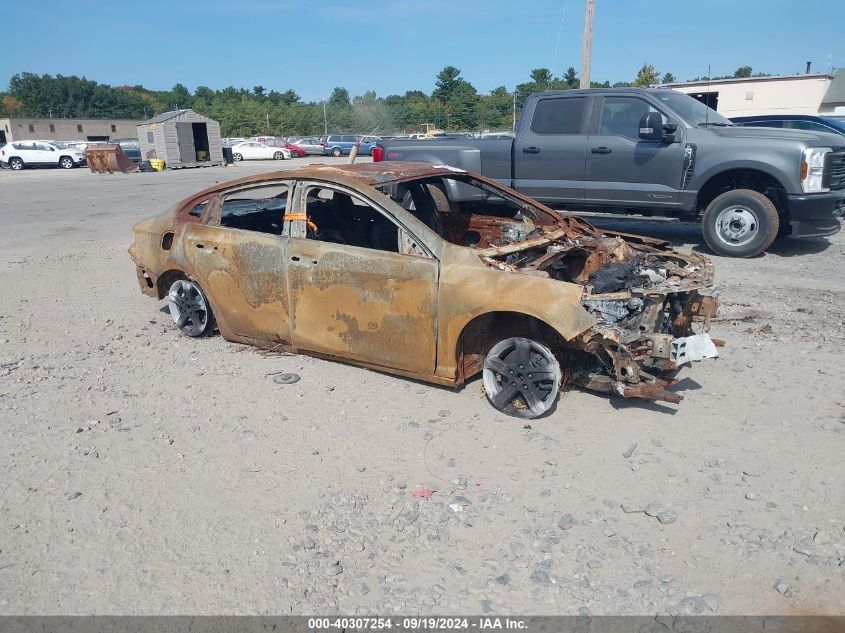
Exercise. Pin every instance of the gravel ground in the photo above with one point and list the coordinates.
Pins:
(146, 473)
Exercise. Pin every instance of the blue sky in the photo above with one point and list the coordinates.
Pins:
(395, 45)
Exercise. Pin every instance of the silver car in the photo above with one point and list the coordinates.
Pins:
(311, 144)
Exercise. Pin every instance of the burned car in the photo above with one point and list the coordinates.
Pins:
(433, 273)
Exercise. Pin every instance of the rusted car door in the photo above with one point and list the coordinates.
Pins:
(363, 303)
(243, 273)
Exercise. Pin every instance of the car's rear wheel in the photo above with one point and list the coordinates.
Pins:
(237, 157)
(66, 162)
(189, 308)
(336, 152)
(278, 156)
(15, 163)
(740, 223)
(521, 377)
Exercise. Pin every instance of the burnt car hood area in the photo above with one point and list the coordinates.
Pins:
(433, 273)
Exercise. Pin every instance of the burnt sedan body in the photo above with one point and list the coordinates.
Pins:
(429, 272)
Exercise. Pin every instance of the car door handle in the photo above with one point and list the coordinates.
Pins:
(601, 150)
(531, 150)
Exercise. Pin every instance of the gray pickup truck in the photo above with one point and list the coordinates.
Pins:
(659, 152)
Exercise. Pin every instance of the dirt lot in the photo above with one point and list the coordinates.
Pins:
(146, 473)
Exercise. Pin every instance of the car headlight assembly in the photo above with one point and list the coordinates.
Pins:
(812, 169)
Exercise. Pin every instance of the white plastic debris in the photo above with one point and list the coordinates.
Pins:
(692, 348)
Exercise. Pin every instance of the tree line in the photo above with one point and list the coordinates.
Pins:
(454, 104)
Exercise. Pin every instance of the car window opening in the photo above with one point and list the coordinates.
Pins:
(259, 210)
(338, 218)
(468, 212)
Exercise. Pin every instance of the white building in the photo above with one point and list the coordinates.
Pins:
(789, 94)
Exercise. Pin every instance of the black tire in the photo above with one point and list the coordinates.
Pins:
(237, 157)
(16, 163)
(337, 152)
(278, 156)
(66, 162)
(190, 309)
(740, 223)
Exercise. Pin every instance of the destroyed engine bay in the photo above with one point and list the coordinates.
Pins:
(645, 296)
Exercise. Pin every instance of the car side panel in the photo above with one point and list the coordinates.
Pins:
(244, 275)
(469, 288)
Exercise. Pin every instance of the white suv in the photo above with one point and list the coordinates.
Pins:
(20, 154)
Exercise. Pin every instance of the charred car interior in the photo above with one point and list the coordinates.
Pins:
(435, 273)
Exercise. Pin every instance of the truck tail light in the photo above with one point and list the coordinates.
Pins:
(378, 154)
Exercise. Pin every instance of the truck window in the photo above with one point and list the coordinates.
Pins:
(812, 126)
(621, 116)
(558, 116)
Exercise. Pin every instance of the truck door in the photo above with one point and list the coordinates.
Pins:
(550, 151)
(624, 170)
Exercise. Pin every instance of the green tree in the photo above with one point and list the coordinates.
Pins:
(542, 77)
(462, 113)
(447, 81)
(743, 71)
(495, 110)
(646, 76)
(668, 78)
(570, 78)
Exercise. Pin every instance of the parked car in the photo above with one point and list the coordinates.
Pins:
(234, 140)
(660, 152)
(22, 154)
(295, 150)
(807, 122)
(375, 264)
(342, 144)
(131, 147)
(309, 144)
(253, 150)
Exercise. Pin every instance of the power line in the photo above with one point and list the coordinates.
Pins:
(559, 31)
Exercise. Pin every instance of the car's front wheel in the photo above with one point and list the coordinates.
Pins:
(15, 163)
(278, 156)
(336, 152)
(189, 308)
(237, 156)
(66, 162)
(521, 377)
(740, 223)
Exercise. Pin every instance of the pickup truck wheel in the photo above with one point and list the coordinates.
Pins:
(740, 223)
(521, 377)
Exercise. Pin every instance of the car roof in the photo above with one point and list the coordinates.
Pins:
(370, 174)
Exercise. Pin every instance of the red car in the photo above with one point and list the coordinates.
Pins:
(295, 150)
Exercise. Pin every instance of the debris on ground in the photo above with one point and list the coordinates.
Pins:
(285, 378)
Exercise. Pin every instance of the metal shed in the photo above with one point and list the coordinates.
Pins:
(183, 138)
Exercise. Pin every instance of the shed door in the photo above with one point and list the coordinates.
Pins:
(185, 137)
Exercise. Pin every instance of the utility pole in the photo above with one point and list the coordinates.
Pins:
(513, 129)
(587, 48)
(325, 120)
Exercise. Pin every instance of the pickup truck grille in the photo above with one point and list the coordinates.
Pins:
(835, 170)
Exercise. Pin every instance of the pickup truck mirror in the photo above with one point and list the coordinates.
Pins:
(651, 127)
